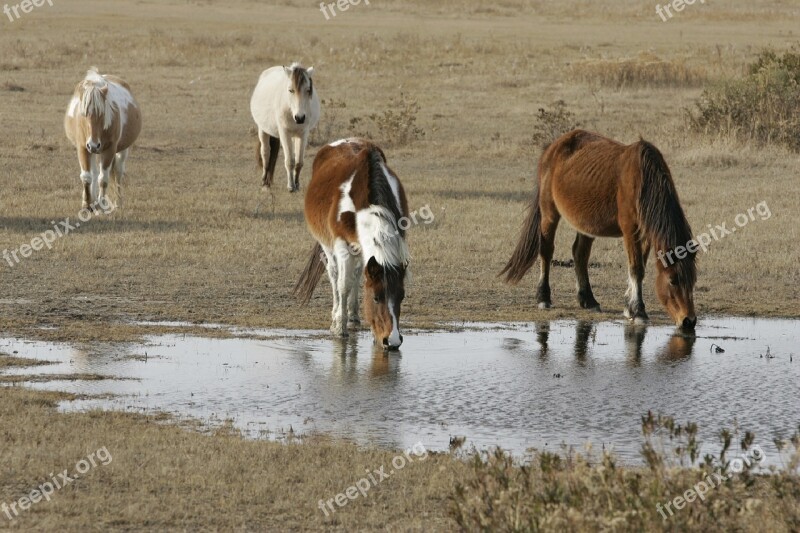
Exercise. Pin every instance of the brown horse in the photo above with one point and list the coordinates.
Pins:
(355, 207)
(606, 189)
(102, 121)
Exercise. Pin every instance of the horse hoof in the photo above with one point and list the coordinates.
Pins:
(353, 324)
(640, 320)
(545, 305)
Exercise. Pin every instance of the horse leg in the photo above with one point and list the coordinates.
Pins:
(87, 168)
(93, 159)
(353, 320)
(300, 152)
(346, 264)
(333, 277)
(546, 248)
(106, 164)
(288, 158)
(581, 250)
(269, 147)
(274, 147)
(634, 309)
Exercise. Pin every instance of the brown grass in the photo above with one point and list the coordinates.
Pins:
(645, 70)
(197, 241)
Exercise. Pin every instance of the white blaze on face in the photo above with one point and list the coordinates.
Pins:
(394, 338)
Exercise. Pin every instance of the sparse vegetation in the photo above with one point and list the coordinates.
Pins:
(331, 126)
(645, 70)
(574, 492)
(553, 123)
(763, 107)
(395, 126)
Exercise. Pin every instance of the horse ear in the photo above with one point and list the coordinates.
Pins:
(310, 71)
(374, 270)
(288, 71)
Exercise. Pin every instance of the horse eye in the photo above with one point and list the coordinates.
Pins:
(291, 91)
(673, 282)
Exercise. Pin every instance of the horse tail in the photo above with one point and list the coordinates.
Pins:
(315, 267)
(528, 246)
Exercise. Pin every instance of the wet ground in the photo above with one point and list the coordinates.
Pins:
(513, 385)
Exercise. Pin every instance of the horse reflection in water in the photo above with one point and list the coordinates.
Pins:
(345, 362)
(678, 348)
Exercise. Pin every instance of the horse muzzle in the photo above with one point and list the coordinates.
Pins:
(392, 346)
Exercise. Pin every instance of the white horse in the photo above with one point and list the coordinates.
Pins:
(286, 108)
(102, 121)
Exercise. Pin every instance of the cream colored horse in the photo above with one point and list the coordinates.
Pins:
(103, 120)
(285, 107)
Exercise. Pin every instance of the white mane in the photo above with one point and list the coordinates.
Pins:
(380, 237)
(117, 98)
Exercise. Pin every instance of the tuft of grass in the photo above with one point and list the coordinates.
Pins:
(394, 126)
(574, 492)
(763, 107)
(645, 70)
(553, 123)
(331, 127)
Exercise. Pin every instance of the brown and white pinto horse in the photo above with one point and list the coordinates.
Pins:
(354, 208)
(606, 189)
(102, 122)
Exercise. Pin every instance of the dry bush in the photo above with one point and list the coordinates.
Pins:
(552, 124)
(575, 493)
(763, 107)
(395, 126)
(331, 126)
(646, 70)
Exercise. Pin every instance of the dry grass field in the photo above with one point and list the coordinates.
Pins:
(198, 241)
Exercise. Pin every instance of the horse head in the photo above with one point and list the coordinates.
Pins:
(300, 85)
(675, 289)
(95, 108)
(384, 291)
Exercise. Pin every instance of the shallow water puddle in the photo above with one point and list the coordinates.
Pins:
(517, 386)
